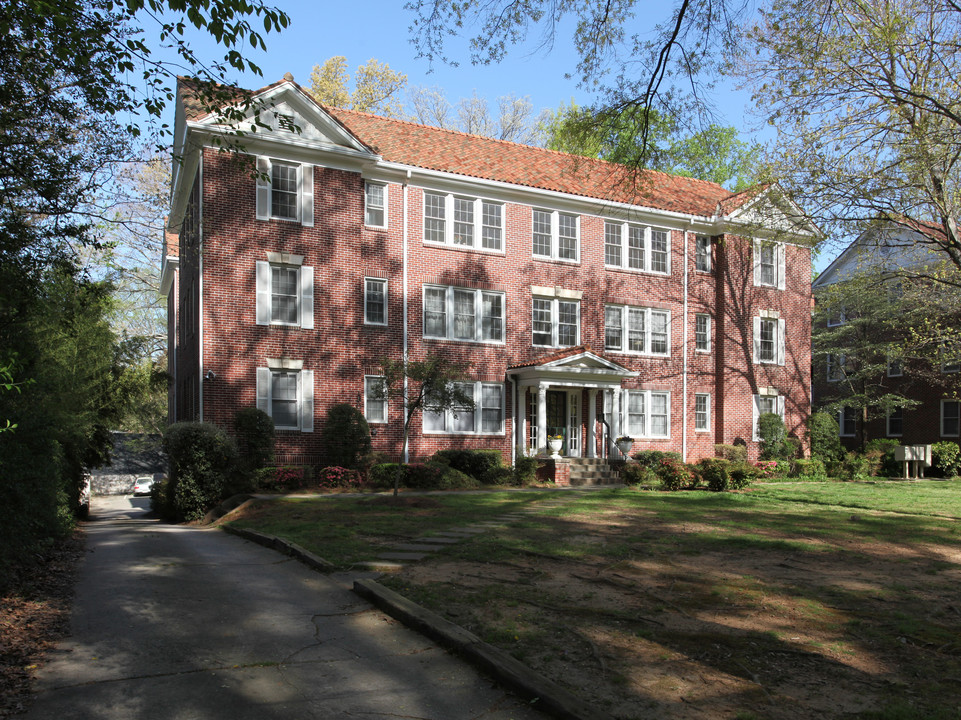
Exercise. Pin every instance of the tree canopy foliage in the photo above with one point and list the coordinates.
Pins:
(377, 88)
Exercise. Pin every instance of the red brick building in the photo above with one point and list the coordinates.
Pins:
(591, 301)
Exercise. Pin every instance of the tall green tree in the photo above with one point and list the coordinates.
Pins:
(865, 101)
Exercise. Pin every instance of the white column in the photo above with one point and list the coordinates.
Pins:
(615, 418)
(522, 419)
(542, 419)
(592, 423)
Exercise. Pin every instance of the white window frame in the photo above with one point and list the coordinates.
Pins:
(555, 254)
(956, 417)
(834, 367)
(887, 422)
(705, 333)
(383, 283)
(477, 222)
(646, 264)
(305, 393)
(369, 207)
(370, 400)
(779, 262)
(895, 367)
(305, 191)
(779, 338)
(447, 415)
(704, 426)
(450, 307)
(702, 253)
(836, 319)
(642, 429)
(843, 429)
(264, 286)
(648, 314)
(778, 402)
(554, 310)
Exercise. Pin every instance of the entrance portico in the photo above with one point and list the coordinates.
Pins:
(562, 401)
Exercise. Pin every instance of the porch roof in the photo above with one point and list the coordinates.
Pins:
(577, 366)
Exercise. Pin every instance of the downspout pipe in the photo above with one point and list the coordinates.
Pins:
(684, 344)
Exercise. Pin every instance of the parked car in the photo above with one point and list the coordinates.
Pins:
(143, 486)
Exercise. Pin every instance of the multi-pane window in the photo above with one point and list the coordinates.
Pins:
(647, 413)
(283, 191)
(285, 294)
(375, 204)
(286, 393)
(375, 301)
(702, 411)
(555, 235)
(702, 253)
(702, 333)
(637, 330)
(896, 422)
(463, 314)
(835, 367)
(950, 418)
(895, 368)
(769, 339)
(555, 322)
(375, 399)
(848, 421)
(768, 403)
(283, 399)
(485, 418)
(637, 247)
(769, 264)
(463, 221)
(837, 316)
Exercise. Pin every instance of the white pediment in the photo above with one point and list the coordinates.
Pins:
(585, 361)
(772, 214)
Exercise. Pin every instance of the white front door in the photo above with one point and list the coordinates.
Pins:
(574, 424)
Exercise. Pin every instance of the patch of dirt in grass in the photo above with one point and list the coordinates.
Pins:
(710, 634)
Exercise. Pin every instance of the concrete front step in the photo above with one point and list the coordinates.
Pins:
(591, 471)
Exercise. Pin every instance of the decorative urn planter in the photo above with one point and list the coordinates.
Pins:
(624, 444)
(554, 444)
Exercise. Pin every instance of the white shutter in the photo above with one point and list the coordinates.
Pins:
(306, 381)
(306, 174)
(263, 188)
(780, 406)
(263, 389)
(755, 414)
(263, 293)
(757, 340)
(307, 297)
(756, 258)
(781, 265)
(780, 341)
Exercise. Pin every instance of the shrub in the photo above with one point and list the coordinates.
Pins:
(715, 473)
(483, 465)
(792, 448)
(824, 435)
(767, 468)
(770, 428)
(673, 473)
(201, 457)
(812, 469)
(637, 474)
(652, 458)
(858, 467)
(945, 458)
(338, 477)
(740, 475)
(255, 438)
(346, 436)
(525, 471)
(881, 451)
(731, 453)
(281, 479)
(381, 475)
(438, 476)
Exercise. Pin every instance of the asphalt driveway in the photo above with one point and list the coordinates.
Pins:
(180, 623)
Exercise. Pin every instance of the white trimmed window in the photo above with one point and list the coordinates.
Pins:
(375, 399)
(285, 191)
(835, 367)
(848, 422)
(287, 395)
(895, 422)
(486, 417)
(895, 368)
(766, 402)
(702, 333)
(647, 413)
(702, 412)
(637, 247)
(702, 253)
(950, 418)
(769, 264)
(455, 313)
(769, 339)
(463, 222)
(555, 322)
(375, 301)
(375, 204)
(836, 317)
(637, 330)
(285, 291)
(556, 235)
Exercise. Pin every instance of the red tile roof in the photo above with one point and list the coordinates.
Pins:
(432, 148)
(561, 355)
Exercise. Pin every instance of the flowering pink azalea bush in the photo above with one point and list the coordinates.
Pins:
(281, 479)
(767, 468)
(339, 477)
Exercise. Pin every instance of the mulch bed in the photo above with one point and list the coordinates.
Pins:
(34, 615)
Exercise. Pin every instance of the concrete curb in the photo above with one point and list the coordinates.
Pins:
(544, 694)
(280, 545)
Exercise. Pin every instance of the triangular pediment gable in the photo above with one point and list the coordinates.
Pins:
(771, 213)
(585, 361)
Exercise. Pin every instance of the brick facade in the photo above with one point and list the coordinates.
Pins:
(221, 345)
